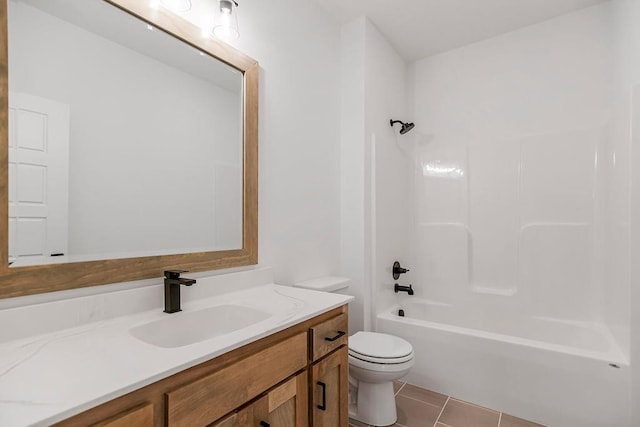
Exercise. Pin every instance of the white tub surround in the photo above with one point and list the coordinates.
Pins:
(551, 371)
(518, 224)
(61, 358)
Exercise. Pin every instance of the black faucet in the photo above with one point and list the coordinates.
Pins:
(407, 289)
(172, 282)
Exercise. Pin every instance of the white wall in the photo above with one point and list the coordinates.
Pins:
(626, 16)
(506, 171)
(298, 47)
(634, 253)
(390, 161)
(354, 252)
(374, 182)
(117, 98)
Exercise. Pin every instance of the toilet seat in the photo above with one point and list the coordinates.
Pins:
(377, 361)
(379, 348)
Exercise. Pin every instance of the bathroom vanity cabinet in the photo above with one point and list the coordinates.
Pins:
(329, 372)
(295, 377)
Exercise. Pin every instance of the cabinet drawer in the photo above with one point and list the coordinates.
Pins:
(209, 398)
(328, 335)
(142, 416)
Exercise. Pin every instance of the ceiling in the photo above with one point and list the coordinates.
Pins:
(421, 28)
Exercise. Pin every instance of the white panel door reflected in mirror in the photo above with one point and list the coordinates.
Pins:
(38, 177)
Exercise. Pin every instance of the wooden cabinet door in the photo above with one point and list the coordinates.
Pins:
(288, 403)
(330, 388)
(244, 417)
(284, 406)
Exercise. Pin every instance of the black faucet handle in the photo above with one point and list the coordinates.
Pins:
(397, 270)
(186, 282)
(173, 274)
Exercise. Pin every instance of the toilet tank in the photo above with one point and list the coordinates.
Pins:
(334, 284)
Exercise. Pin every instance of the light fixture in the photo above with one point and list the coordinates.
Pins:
(177, 5)
(225, 24)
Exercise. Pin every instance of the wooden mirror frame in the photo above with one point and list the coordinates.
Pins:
(20, 281)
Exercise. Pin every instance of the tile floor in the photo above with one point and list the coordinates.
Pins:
(418, 407)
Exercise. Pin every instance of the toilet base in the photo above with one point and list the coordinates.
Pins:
(376, 404)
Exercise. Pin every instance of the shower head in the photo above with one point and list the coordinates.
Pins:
(406, 127)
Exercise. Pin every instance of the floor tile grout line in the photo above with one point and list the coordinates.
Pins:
(401, 387)
(421, 401)
(441, 411)
(477, 406)
(500, 419)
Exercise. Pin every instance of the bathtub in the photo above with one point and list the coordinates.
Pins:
(558, 373)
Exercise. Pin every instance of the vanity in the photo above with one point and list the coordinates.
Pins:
(144, 159)
(287, 369)
(288, 379)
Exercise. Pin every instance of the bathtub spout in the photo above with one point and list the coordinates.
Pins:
(408, 289)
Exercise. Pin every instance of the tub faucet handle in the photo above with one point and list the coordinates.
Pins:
(397, 270)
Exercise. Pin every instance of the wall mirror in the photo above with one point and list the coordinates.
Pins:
(129, 146)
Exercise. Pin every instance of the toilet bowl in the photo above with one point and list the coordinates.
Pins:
(375, 361)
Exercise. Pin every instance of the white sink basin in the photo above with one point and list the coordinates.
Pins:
(190, 327)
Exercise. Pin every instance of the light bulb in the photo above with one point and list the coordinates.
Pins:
(226, 6)
(226, 21)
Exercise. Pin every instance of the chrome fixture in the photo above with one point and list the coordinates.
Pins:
(225, 23)
(408, 289)
(172, 282)
(397, 270)
(406, 127)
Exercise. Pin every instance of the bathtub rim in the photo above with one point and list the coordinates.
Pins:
(615, 356)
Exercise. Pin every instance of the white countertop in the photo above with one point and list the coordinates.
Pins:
(49, 377)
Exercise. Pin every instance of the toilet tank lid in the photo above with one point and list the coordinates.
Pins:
(325, 284)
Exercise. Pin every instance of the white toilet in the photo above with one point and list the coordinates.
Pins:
(375, 361)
